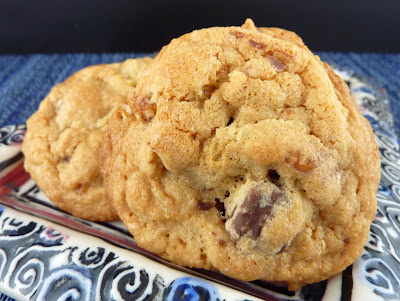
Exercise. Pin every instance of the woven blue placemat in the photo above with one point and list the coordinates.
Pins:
(26, 79)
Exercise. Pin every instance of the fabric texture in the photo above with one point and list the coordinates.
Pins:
(26, 79)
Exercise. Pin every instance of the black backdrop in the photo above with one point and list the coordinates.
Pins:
(45, 26)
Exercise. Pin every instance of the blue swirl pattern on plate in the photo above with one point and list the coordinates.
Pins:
(29, 252)
(382, 265)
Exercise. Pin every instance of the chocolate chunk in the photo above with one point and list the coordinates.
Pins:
(277, 63)
(273, 176)
(66, 159)
(283, 249)
(237, 34)
(220, 206)
(256, 44)
(201, 205)
(254, 212)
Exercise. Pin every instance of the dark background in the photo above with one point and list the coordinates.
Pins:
(145, 26)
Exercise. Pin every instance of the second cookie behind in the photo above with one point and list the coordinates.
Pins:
(64, 136)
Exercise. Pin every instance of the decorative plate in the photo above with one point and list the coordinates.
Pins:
(47, 254)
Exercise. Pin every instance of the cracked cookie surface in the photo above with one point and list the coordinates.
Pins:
(65, 134)
(242, 152)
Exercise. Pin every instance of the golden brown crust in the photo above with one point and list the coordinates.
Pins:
(64, 136)
(245, 124)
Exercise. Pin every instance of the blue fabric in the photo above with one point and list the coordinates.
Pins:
(26, 79)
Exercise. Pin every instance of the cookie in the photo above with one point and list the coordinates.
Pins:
(65, 134)
(242, 152)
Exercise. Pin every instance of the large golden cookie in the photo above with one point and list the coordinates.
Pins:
(64, 136)
(244, 153)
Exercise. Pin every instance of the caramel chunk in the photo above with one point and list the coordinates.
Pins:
(144, 107)
(301, 164)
